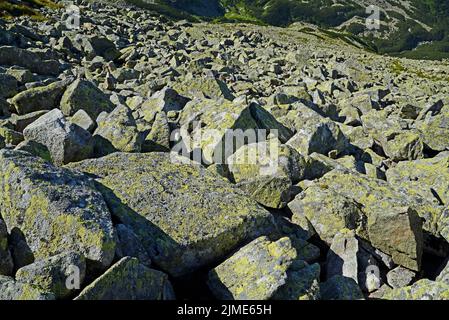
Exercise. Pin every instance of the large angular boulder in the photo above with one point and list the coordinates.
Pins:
(260, 271)
(65, 141)
(172, 208)
(426, 177)
(40, 98)
(84, 95)
(209, 88)
(219, 134)
(119, 128)
(266, 171)
(378, 195)
(435, 131)
(328, 212)
(53, 274)
(397, 231)
(33, 61)
(314, 133)
(52, 210)
(129, 280)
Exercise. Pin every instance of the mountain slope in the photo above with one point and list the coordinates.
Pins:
(411, 28)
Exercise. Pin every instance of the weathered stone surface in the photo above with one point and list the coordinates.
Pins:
(262, 270)
(172, 208)
(28, 59)
(425, 177)
(35, 148)
(340, 288)
(6, 262)
(120, 129)
(129, 280)
(266, 171)
(328, 212)
(202, 128)
(13, 290)
(53, 210)
(400, 277)
(405, 145)
(8, 87)
(85, 95)
(158, 139)
(128, 245)
(421, 290)
(65, 141)
(205, 87)
(53, 274)
(342, 256)
(378, 195)
(83, 120)
(40, 98)
(398, 232)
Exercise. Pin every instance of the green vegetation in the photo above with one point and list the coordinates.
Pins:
(27, 7)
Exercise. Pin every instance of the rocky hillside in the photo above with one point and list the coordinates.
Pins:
(409, 28)
(114, 183)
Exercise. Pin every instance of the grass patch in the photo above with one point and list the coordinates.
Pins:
(9, 10)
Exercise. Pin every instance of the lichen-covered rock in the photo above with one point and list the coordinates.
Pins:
(20, 122)
(400, 277)
(128, 245)
(165, 100)
(342, 256)
(219, 134)
(40, 98)
(82, 119)
(184, 215)
(129, 280)
(11, 137)
(406, 145)
(33, 61)
(208, 88)
(99, 46)
(266, 171)
(398, 231)
(8, 87)
(65, 141)
(340, 288)
(53, 274)
(421, 290)
(35, 148)
(378, 195)
(14, 290)
(53, 210)
(425, 177)
(120, 129)
(435, 131)
(262, 270)
(85, 95)
(314, 133)
(328, 212)
(6, 262)
(158, 139)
